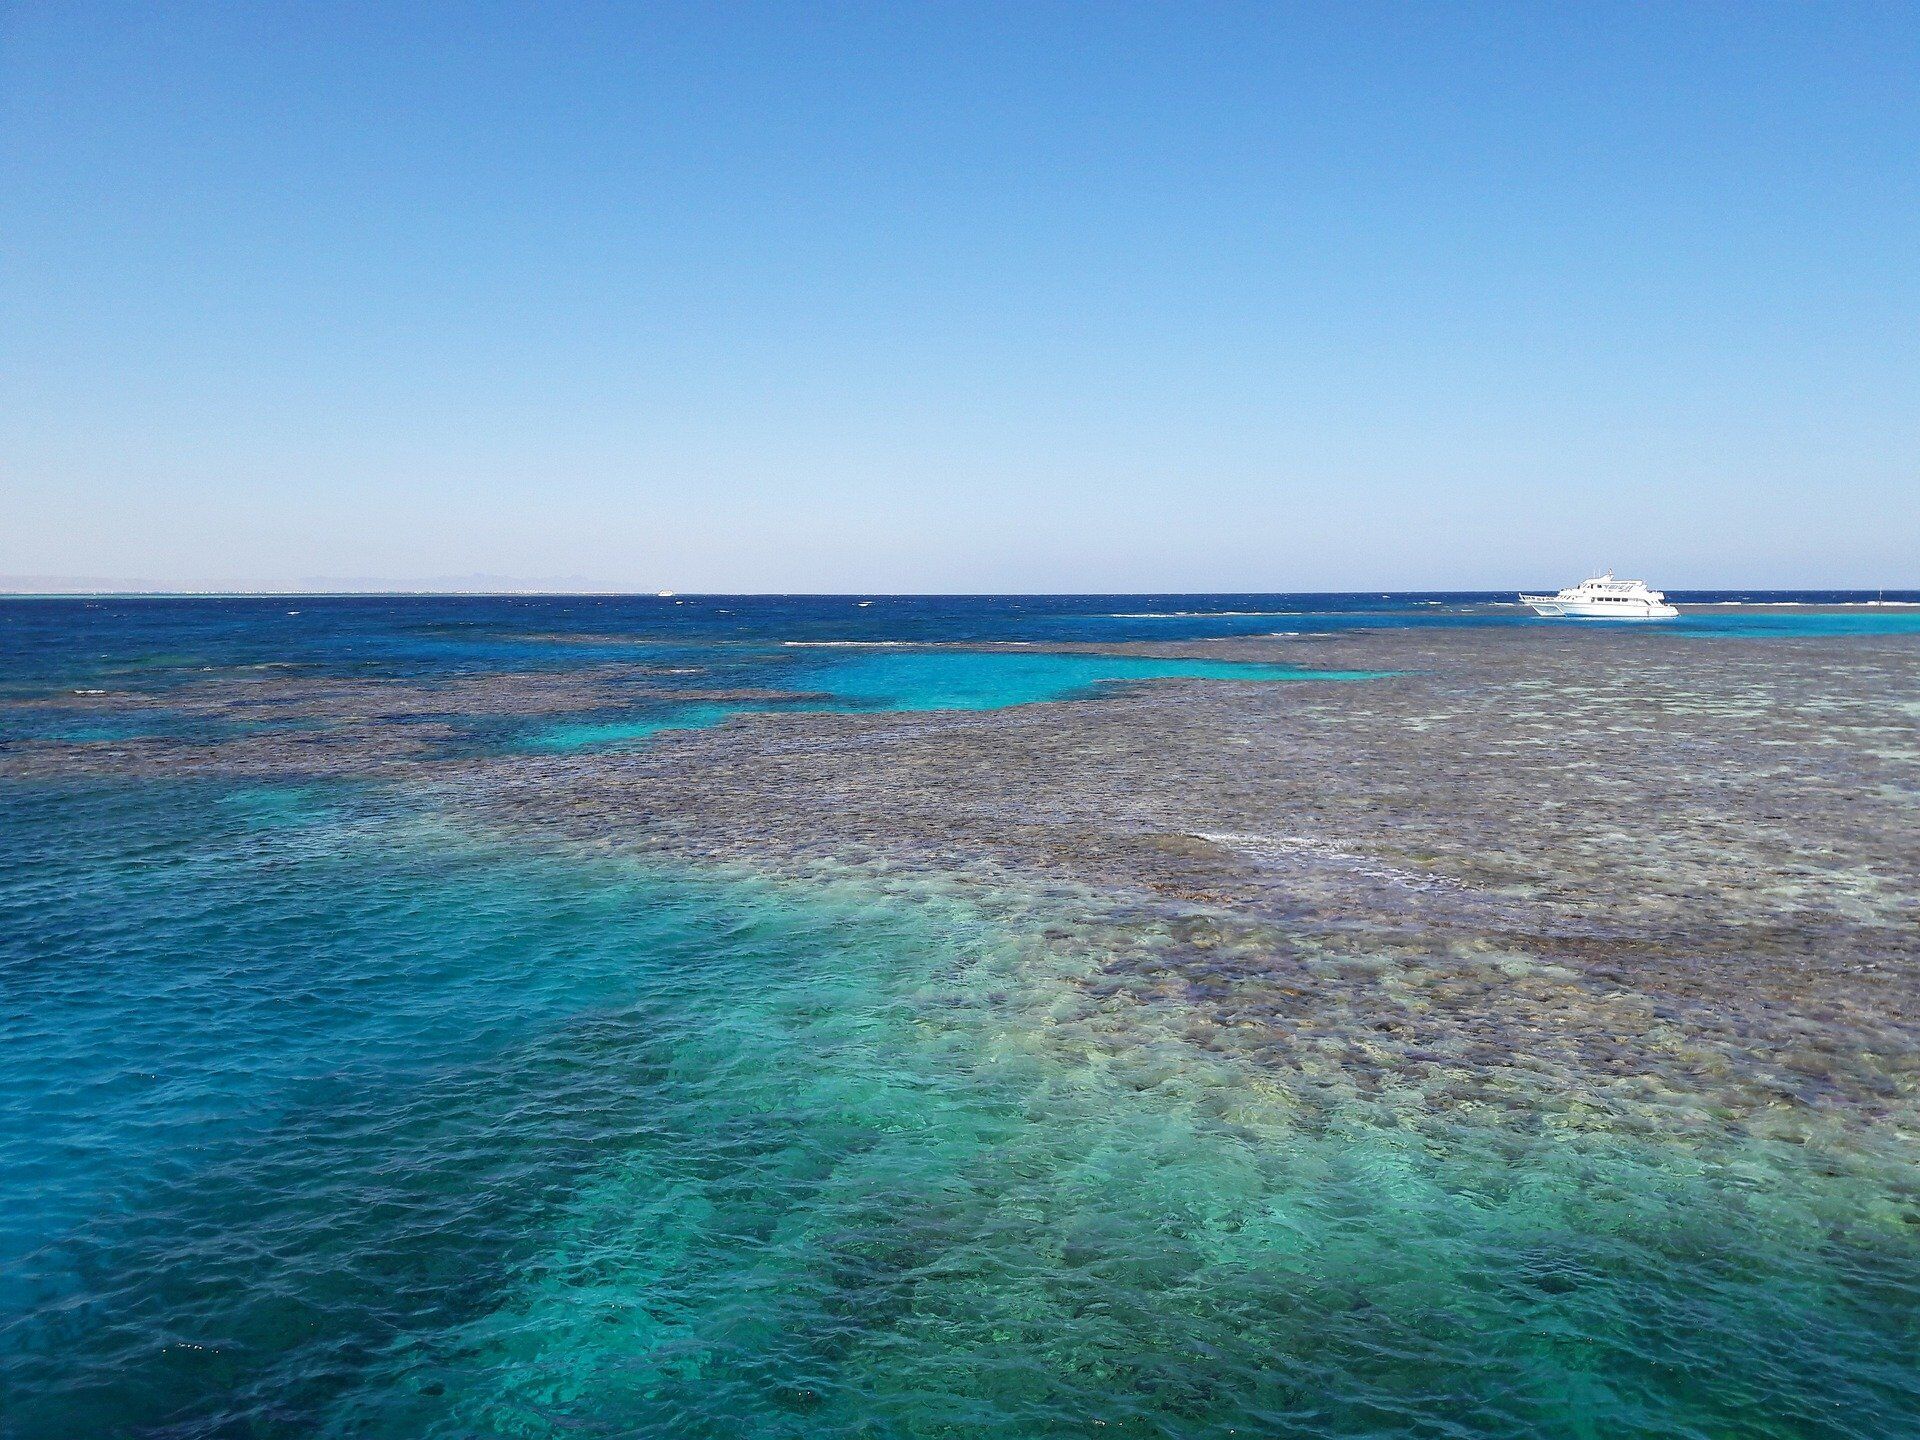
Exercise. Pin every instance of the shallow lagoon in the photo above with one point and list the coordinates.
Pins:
(888, 678)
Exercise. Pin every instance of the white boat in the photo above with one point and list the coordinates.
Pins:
(1604, 598)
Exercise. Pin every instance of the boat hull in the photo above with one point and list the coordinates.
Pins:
(1577, 610)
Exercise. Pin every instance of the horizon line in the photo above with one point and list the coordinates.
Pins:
(616, 594)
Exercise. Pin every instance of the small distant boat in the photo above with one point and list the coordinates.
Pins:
(1603, 598)
(664, 594)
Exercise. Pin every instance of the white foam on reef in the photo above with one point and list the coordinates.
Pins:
(1194, 614)
(1274, 847)
(1802, 604)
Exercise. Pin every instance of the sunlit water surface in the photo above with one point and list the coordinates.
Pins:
(326, 1114)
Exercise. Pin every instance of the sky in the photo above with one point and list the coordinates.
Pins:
(925, 296)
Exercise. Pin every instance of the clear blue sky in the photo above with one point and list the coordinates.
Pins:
(961, 297)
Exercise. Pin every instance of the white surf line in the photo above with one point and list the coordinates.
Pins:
(1798, 604)
(1276, 847)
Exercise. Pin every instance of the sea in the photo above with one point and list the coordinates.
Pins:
(328, 1109)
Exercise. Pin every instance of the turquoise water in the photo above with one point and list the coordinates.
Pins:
(959, 680)
(629, 729)
(325, 1113)
(905, 679)
(340, 1120)
(1776, 621)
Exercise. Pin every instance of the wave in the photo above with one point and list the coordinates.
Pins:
(1800, 604)
(1196, 614)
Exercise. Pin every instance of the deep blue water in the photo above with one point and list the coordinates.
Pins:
(846, 652)
(325, 1112)
(153, 641)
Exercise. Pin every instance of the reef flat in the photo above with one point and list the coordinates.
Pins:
(1584, 871)
(1525, 974)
